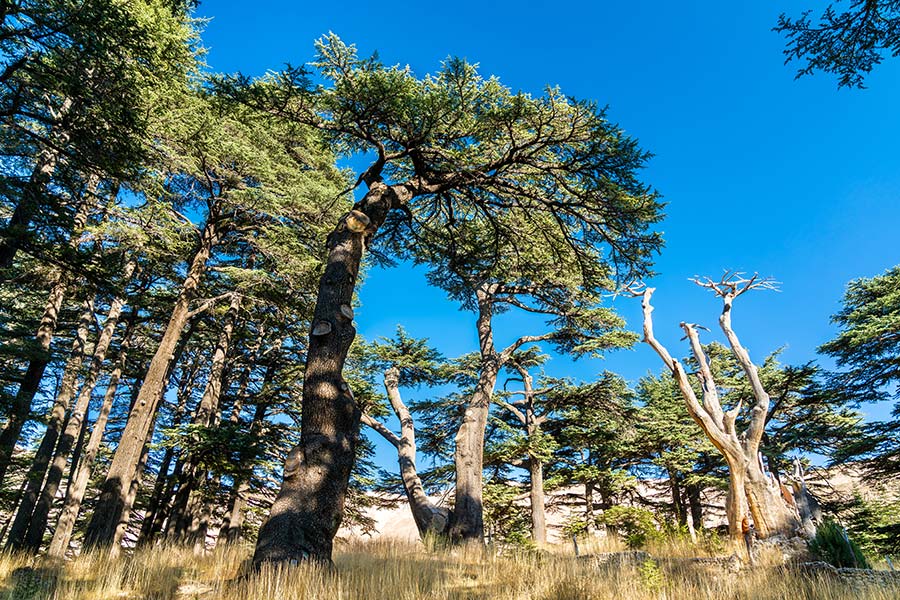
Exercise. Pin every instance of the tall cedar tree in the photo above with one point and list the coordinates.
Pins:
(450, 151)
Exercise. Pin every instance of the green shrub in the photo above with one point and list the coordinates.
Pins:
(832, 545)
(636, 525)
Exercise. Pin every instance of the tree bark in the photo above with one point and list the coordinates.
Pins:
(75, 423)
(57, 421)
(467, 518)
(309, 508)
(430, 518)
(34, 373)
(108, 513)
(538, 518)
(75, 492)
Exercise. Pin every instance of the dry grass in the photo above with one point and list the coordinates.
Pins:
(385, 571)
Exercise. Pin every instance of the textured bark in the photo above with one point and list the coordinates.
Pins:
(74, 424)
(467, 519)
(76, 490)
(113, 497)
(57, 422)
(430, 518)
(230, 531)
(308, 510)
(538, 516)
(34, 373)
(751, 492)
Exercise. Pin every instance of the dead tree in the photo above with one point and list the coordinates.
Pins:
(750, 490)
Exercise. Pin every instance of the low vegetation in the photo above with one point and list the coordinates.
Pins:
(404, 572)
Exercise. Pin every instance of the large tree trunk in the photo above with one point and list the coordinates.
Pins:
(467, 519)
(76, 490)
(771, 515)
(430, 518)
(57, 421)
(75, 424)
(113, 497)
(309, 508)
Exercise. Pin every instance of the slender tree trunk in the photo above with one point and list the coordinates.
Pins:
(114, 494)
(590, 521)
(430, 518)
(231, 527)
(309, 508)
(75, 423)
(193, 482)
(58, 418)
(75, 492)
(32, 200)
(34, 373)
(538, 519)
(677, 505)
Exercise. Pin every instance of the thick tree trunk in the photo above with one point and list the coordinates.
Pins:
(771, 515)
(695, 504)
(113, 497)
(57, 421)
(74, 424)
(538, 518)
(735, 499)
(75, 492)
(308, 510)
(467, 519)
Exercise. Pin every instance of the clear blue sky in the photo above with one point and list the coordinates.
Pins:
(793, 179)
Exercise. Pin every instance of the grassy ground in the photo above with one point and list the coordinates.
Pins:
(403, 572)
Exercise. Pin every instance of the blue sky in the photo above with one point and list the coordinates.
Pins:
(793, 179)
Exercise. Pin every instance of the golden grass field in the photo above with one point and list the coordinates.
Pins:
(392, 571)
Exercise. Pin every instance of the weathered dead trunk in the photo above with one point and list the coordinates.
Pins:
(431, 519)
(308, 510)
(76, 490)
(113, 497)
(57, 421)
(750, 492)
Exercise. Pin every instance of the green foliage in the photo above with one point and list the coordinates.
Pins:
(637, 526)
(651, 575)
(832, 545)
(505, 518)
(874, 523)
(847, 43)
(867, 349)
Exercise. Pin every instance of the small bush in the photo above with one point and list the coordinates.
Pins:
(636, 525)
(832, 545)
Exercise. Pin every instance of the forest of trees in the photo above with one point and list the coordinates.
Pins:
(181, 254)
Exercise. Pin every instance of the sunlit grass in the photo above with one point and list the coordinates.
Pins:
(390, 571)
